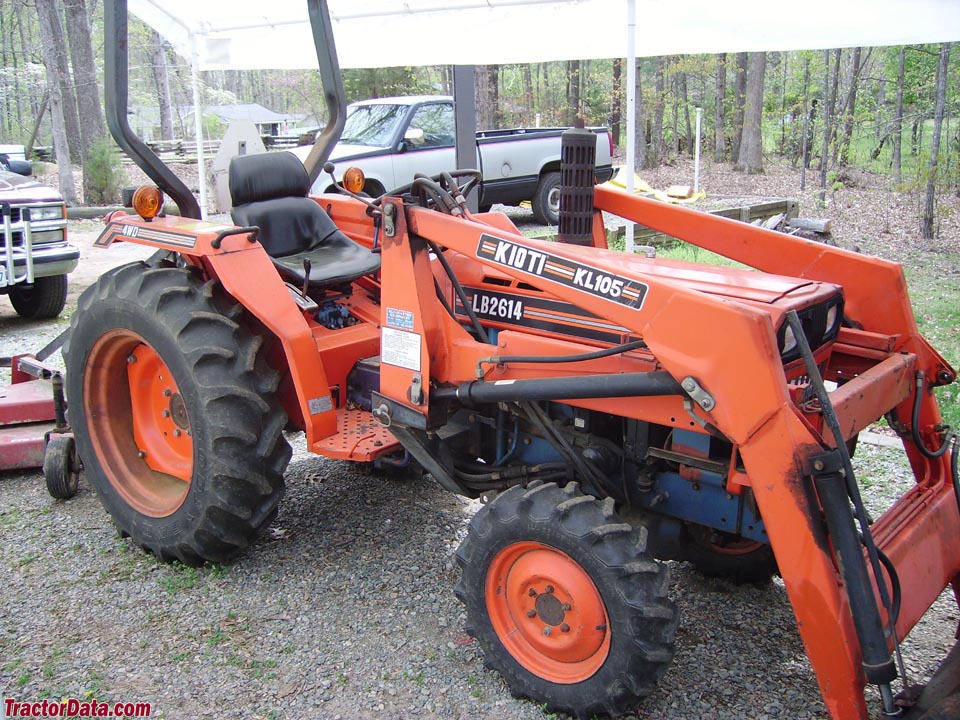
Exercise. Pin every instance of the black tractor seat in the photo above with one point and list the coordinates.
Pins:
(269, 190)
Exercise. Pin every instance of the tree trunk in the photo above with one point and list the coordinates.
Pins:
(739, 100)
(641, 138)
(809, 115)
(89, 109)
(655, 152)
(162, 81)
(849, 108)
(50, 26)
(898, 119)
(750, 159)
(828, 83)
(615, 109)
(50, 41)
(573, 91)
(719, 116)
(528, 95)
(487, 97)
(927, 220)
(684, 98)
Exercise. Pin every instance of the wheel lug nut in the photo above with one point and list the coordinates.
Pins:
(565, 607)
(564, 628)
(167, 392)
(177, 433)
(141, 454)
(531, 613)
(549, 590)
(165, 413)
(547, 630)
(131, 359)
(532, 592)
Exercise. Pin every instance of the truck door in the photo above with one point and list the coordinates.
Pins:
(428, 144)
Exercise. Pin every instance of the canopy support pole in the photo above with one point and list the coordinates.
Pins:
(631, 110)
(198, 122)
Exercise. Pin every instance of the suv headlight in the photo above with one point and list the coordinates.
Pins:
(46, 212)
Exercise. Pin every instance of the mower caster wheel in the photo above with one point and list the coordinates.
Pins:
(61, 467)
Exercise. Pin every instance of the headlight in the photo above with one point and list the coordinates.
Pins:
(46, 212)
(46, 236)
(833, 320)
(788, 341)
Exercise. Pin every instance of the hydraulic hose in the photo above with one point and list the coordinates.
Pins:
(458, 288)
(915, 426)
(595, 355)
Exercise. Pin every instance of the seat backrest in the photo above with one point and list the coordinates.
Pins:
(269, 190)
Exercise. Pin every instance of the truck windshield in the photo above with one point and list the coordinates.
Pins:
(372, 124)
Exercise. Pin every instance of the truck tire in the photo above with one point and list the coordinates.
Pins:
(564, 600)
(546, 200)
(722, 555)
(175, 413)
(43, 301)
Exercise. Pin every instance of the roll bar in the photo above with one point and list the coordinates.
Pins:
(116, 83)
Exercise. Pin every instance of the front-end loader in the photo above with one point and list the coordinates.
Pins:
(613, 411)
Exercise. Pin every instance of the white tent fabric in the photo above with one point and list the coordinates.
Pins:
(232, 34)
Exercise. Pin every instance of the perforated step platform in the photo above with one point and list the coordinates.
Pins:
(359, 438)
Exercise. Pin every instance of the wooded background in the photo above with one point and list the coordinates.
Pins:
(890, 110)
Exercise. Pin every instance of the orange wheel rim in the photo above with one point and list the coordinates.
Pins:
(547, 612)
(138, 423)
(740, 546)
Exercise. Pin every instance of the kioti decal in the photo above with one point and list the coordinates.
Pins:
(600, 283)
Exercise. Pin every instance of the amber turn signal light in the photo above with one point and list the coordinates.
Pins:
(147, 202)
(353, 180)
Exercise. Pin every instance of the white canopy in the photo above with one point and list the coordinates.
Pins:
(231, 34)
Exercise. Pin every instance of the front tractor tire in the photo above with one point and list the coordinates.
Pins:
(175, 413)
(564, 600)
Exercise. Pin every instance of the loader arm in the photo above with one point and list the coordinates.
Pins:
(690, 334)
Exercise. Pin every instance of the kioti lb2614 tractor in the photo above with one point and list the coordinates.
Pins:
(573, 384)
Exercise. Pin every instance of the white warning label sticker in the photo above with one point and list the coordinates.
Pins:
(400, 348)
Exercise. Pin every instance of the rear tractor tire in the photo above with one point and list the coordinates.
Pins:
(564, 600)
(175, 413)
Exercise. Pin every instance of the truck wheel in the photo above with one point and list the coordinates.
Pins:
(565, 601)
(60, 468)
(722, 555)
(546, 200)
(42, 301)
(175, 413)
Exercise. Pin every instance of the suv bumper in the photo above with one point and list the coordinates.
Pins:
(47, 261)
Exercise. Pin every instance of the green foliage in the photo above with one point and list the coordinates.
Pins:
(103, 173)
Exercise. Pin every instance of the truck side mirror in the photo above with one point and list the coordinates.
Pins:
(412, 137)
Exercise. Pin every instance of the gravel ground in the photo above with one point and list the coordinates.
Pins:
(345, 609)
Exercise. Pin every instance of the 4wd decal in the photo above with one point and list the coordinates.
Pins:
(163, 236)
(552, 316)
(600, 283)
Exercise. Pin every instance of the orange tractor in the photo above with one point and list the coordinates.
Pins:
(570, 385)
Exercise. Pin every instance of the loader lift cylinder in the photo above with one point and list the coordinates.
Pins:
(578, 158)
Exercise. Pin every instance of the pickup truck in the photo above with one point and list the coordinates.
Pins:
(392, 138)
(35, 256)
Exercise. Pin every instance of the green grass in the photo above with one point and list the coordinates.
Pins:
(936, 305)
